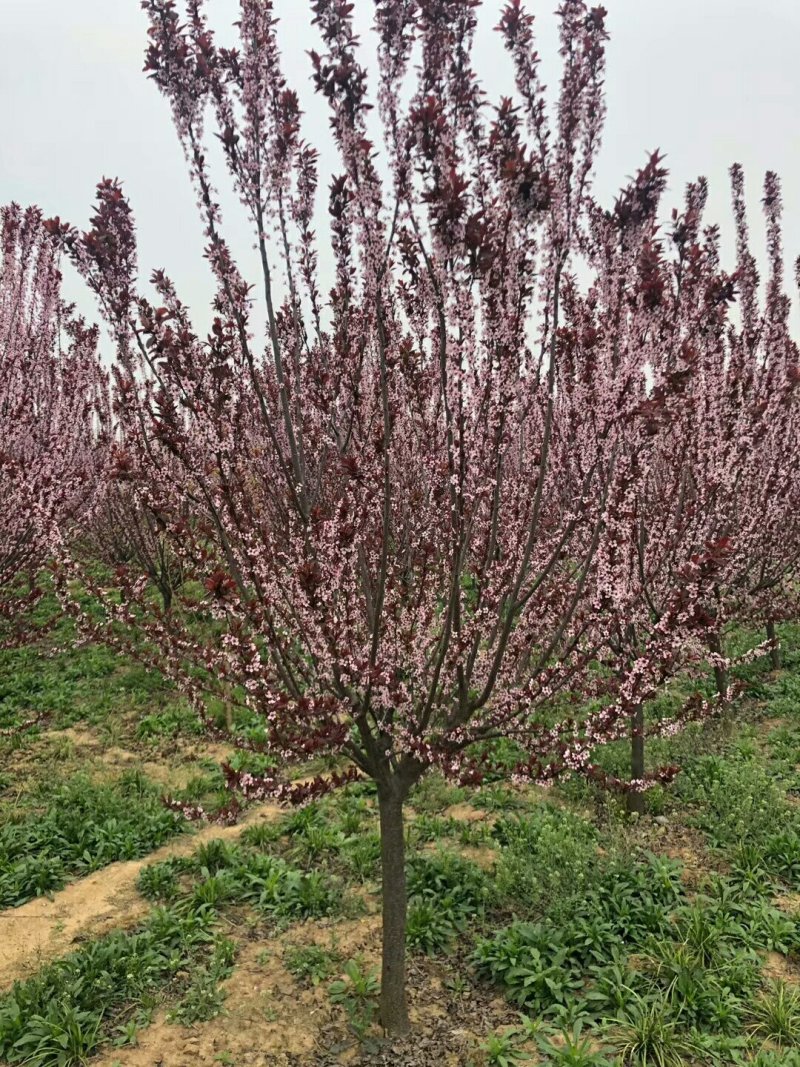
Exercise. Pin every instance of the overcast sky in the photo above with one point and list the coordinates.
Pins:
(709, 82)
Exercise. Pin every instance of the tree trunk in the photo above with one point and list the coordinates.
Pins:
(635, 798)
(775, 651)
(720, 673)
(394, 1008)
(166, 597)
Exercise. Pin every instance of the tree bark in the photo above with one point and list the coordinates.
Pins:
(166, 597)
(393, 1007)
(775, 651)
(720, 673)
(635, 798)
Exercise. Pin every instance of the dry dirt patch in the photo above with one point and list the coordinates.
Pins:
(778, 968)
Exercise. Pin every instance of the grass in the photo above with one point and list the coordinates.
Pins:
(616, 952)
(71, 1007)
(221, 873)
(66, 1011)
(78, 683)
(77, 827)
(548, 855)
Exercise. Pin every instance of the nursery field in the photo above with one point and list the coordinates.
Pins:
(396, 656)
(545, 926)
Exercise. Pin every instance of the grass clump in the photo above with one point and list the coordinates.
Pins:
(85, 826)
(775, 1016)
(549, 858)
(651, 1034)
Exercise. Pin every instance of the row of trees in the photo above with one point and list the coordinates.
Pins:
(50, 389)
(526, 457)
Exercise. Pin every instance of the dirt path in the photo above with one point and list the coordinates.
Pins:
(43, 930)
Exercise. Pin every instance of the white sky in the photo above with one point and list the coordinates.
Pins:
(709, 82)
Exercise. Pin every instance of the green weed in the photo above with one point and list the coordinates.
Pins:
(85, 826)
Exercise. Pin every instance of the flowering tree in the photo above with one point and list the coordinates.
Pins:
(701, 533)
(753, 493)
(404, 544)
(49, 378)
(380, 524)
(121, 531)
(654, 565)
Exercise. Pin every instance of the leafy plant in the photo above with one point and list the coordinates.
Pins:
(350, 811)
(450, 880)
(573, 1049)
(213, 889)
(62, 1037)
(310, 964)
(502, 1050)
(432, 827)
(357, 992)
(202, 1001)
(769, 1058)
(432, 925)
(174, 720)
(534, 962)
(612, 987)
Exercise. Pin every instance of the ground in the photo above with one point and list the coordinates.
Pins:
(546, 926)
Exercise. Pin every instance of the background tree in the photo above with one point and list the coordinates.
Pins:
(757, 496)
(692, 542)
(123, 532)
(49, 381)
(737, 432)
(655, 564)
